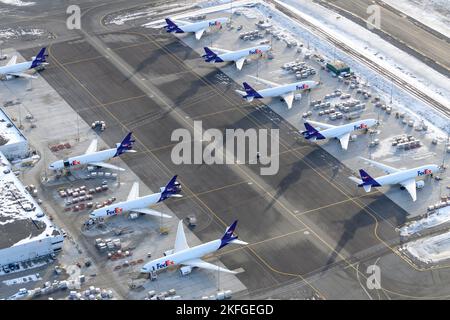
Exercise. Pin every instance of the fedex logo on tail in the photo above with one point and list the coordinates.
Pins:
(215, 24)
(256, 51)
(424, 172)
(360, 127)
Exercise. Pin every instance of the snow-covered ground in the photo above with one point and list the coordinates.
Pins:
(148, 13)
(383, 53)
(9, 33)
(365, 42)
(18, 3)
(433, 13)
(435, 219)
(431, 249)
(25, 279)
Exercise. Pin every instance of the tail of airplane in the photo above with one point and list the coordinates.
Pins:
(229, 237)
(367, 181)
(250, 93)
(126, 145)
(311, 132)
(210, 56)
(172, 27)
(39, 59)
(172, 189)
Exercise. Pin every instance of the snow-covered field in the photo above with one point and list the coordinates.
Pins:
(431, 249)
(435, 219)
(9, 33)
(404, 65)
(18, 3)
(433, 13)
(25, 279)
(365, 42)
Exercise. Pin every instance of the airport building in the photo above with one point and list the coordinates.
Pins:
(26, 232)
(13, 144)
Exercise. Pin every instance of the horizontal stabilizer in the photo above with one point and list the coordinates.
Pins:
(236, 241)
(356, 180)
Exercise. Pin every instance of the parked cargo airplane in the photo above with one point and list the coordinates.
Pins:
(215, 55)
(13, 69)
(341, 132)
(182, 254)
(95, 158)
(180, 26)
(134, 203)
(285, 91)
(406, 178)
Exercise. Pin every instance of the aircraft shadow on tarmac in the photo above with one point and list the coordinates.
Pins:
(361, 220)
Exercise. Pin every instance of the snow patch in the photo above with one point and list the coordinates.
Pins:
(435, 219)
(9, 33)
(432, 249)
(18, 3)
(433, 13)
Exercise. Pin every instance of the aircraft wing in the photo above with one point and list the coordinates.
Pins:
(205, 265)
(288, 98)
(180, 240)
(385, 168)
(23, 75)
(199, 33)
(266, 82)
(240, 63)
(134, 192)
(321, 125)
(410, 186)
(344, 140)
(12, 61)
(151, 212)
(92, 147)
(106, 165)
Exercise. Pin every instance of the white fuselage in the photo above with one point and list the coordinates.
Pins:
(248, 52)
(126, 206)
(181, 256)
(398, 177)
(288, 88)
(15, 68)
(349, 127)
(84, 159)
(196, 26)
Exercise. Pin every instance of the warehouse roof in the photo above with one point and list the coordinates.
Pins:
(9, 133)
(21, 218)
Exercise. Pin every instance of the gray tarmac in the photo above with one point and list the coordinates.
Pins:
(303, 221)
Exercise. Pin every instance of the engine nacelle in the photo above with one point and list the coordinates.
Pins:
(420, 184)
(185, 270)
(8, 77)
